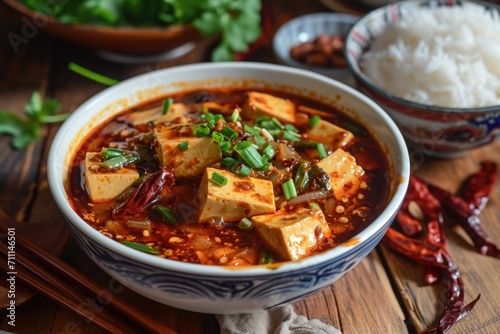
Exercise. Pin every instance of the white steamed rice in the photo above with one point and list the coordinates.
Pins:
(444, 56)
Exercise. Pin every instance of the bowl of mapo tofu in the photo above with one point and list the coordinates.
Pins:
(228, 187)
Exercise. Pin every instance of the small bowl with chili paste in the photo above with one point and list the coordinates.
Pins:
(216, 168)
(315, 42)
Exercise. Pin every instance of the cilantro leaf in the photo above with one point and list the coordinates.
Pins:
(39, 111)
(23, 132)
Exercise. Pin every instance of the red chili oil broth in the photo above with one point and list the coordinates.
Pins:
(176, 241)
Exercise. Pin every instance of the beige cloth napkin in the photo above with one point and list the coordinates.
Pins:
(280, 320)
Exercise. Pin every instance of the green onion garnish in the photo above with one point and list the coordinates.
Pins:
(249, 153)
(321, 150)
(269, 151)
(166, 105)
(314, 206)
(251, 130)
(291, 136)
(229, 133)
(183, 146)
(235, 116)
(217, 137)
(92, 75)
(259, 140)
(277, 122)
(241, 169)
(313, 121)
(228, 162)
(302, 178)
(201, 131)
(109, 153)
(225, 147)
(289, 189)
(219, 179)
(120, 161)
(165, 213)
(290, 127)
(245, 224)
(140, 247)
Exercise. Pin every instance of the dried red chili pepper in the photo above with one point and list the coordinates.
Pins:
(465, 216)
(430, 208)
(145, 194)
(436, 257)
(480, 185)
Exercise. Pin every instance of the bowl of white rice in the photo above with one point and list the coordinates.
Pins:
(434, 66)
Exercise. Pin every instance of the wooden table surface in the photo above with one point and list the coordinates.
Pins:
(383, 294)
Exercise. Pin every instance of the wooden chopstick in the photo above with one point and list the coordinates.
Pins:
(104, 320)
(59, 268)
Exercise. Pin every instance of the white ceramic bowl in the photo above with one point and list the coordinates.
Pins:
(217, 289)
(306, 28)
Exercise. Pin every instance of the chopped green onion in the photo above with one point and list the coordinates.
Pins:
(277, 122)
(269, 151)
(241, 169)
(219, 179)
(307, 144)
(228, 162)
(259, 140)
(289, 189)
(109, 153)
(201, 131)
(226, 147)
(166, 105)
(274, 132)
(321, 150)
(245, 224)
(249, 153)
(217, 137)
(290, 127)
(92, 75)
(270, 125)
(291, 136)
(235, 116)
(261, 119)
(184, 146)
(302, 178)
(229, 133)
(314, 206)
(165, 213)
(120, 161)
(140, 247)
(313, 121)
(251, 130)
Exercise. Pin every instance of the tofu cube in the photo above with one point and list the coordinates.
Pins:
(292, 235)
(177, 112)
(201, 152)
(241, 197)
(218, 108)
(106, 186)
(261, 104)
(328, 133)
(345, 174)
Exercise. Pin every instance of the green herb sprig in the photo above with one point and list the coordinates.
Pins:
(38, 112)
(236, 21)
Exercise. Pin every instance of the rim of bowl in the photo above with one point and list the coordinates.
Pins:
(353, 63)
(124, 30)
(58, 151)
(283, 55)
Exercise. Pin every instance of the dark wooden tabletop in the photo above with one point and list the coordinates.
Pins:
(383, 294)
